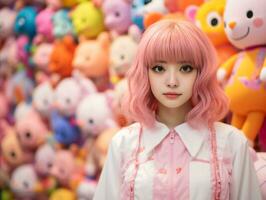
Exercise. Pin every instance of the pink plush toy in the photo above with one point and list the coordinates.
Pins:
(7, 19)
(4, 106)
(41, 56)
(65, 168)
(44, 26)
(117, 15)
(22, 53)
(31, 130)
(92, 59)
(70, 91)
(44, 159)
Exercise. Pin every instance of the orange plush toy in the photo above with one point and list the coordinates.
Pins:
(62, 56)
(92, 60)
(181, 5)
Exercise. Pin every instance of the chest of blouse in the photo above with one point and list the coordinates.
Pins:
(170, 165)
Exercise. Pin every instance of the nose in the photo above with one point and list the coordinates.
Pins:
(232, 24)
(172, 81)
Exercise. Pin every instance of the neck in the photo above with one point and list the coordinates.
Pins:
(172, 117)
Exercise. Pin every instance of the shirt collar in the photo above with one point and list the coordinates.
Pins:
(191, 137)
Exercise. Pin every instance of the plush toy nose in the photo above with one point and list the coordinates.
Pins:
(232, 25)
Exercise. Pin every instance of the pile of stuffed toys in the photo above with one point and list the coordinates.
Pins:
(62, 78)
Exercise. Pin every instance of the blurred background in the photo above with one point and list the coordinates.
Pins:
(62, 78)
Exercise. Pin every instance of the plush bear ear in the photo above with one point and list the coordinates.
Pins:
(104, 39)
(135, 33)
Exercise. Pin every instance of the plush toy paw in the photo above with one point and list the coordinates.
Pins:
(221, 73)
(263, 74)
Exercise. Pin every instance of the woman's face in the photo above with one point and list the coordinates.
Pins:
(172, 83)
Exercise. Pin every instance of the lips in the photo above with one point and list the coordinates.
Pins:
(171, 95)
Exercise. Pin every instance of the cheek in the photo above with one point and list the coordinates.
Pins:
(258, 22)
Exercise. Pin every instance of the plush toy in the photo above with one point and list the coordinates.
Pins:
(43, 97)
(92, 60)
(11, 150)
(245, 27)
(97, 155)
(94, 114)
(4, 107)
(44, 159)
(41, 56)
(54, 4)
(8, 58)
(69, 3)
(142, 7)
(31, 130)
(25, 22)
(66, 169)
(122, 53)
(209, 17)
(44, 26)
(66, 132)
(19, 87)
(86, 189)
(23, 51)
(63, 193)
(62, 24)
(69, 92)
(24, 182)
(7, 19)
(87, 20)
(21, 110)
(180, 6)
(117, 15)
(62, 56)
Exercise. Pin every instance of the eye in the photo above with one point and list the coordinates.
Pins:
(147, 2)
(158, 68)
(28, 135)
(122, 57)
(117, 14)
(26, 184)
(249, 14)
(214, 19)
(49, 165)
(90, 121)
(186, 68)
(12, 154)
(68, 101)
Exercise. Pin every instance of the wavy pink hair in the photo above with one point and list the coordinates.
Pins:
(175, 41)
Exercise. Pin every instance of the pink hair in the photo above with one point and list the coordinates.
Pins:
(175, 41)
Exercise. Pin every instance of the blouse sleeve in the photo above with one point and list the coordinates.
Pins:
(109, 183)
(244, 183)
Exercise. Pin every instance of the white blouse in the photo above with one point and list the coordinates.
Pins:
(238, 177)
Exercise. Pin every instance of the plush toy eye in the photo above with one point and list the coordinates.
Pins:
(21, 21)
(49, 165)
(26, 184)
(117, 14)
(68, 101)
(249, 14)
(12, 154)
(91, 121)
(28, 135)
(147, 2)
(214, 19)
(122, 57)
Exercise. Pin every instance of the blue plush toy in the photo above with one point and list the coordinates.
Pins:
(62, 24)
(65, 131)
(25, 22)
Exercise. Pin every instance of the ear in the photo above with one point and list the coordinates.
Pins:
(104, 39)
(135, 33)
(151, 18)
(191, 12)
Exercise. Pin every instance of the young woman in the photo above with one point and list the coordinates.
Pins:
(177, 149)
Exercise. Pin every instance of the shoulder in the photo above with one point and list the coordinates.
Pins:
(126, 136)
(233, 137)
